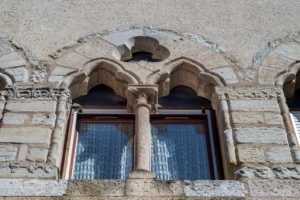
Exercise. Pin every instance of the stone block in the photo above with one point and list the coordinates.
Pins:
(19, 74)
(97, 48)
(44, 119)
(214, 189)
(274, 188)
(153, 188)
(62, 71)
(7, 153)
(96, 188)
(28, 170)
(227, 73)
(33, 187)
(273, 118)
(37, 155)
(279, 154)
(118, 38)
(262, 135)
(73, 60)
(13, 59)
(247, 154)
(5, 49)
(26, 135)
(31, 106)
(54, 79)
(254, 105)
(289, 49)
(247, 118)
(12, 118)
(23, 152)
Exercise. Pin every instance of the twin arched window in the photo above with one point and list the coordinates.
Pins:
(102, 140)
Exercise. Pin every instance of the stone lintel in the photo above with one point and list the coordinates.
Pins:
(136, 94)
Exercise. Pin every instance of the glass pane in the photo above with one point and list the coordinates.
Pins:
(179, 152)
(104, 151)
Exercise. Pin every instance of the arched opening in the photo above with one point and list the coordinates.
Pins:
(183, 96)
(100, 95)
(184, 138)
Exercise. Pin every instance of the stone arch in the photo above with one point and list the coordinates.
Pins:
(188, 73)
(278, 63)
(97, 72)
(15, 61)
(165, 46)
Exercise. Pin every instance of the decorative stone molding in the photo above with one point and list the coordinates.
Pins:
(248, 92)
(146, 95)
(28, 170)
(31, 92)
(264, 172)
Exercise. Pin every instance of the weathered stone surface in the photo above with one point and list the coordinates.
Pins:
(215, 189)
(5, 49)
(254, 105)
(250, 154)
(73, 60)
(37, 155)
(12, 118)
(289, 49)
(280, 154)
(7, 153)
(28, 170)
(96, 188)
(96, 49)
(227, 73)
(44, 119)
(274, 188)
(273, 118)
(261, 135)
(62, 71)
(153, 188)
(19, 74)
(247, 118)
(249, 92)
(23, 152)
(118, 38)
(55, 79)
(31, 106)
(13, 59)
(26, 135)
(33, 187)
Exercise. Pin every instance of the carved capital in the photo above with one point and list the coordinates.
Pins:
(142, 95)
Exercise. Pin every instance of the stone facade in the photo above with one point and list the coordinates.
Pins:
(260, 154)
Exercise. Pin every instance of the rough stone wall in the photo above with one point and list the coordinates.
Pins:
(259, 151)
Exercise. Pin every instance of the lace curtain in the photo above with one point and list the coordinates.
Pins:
(180, 152)
(104, 151)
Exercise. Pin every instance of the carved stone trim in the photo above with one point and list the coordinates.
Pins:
(28, 170)
(259, 92)
(146, 95)
(29, 92)
(264, 172)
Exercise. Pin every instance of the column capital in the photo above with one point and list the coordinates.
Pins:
(142, 95)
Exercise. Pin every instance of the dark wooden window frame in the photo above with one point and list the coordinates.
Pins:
(171, 118)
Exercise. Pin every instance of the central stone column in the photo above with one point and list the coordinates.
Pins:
(142, 101)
